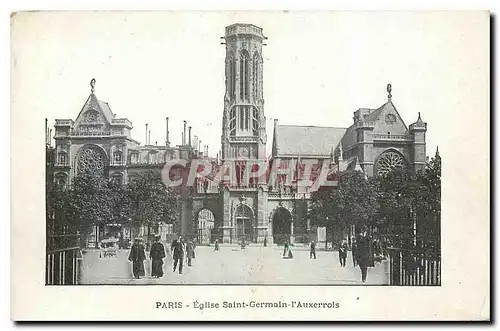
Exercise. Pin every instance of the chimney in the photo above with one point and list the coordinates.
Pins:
(167, 142)
(50, 137)
(190, 138)
(46, 133)
(199, 146)
(146, 141)
(184, 136)
(149, 137)
(195, 142)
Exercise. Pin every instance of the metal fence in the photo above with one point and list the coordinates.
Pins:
(415, 265)
(63, 257)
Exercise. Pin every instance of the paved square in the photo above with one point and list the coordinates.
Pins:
(233, 265)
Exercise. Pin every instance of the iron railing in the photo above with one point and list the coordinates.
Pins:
(63, 257)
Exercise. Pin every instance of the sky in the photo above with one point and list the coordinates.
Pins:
(319, 67)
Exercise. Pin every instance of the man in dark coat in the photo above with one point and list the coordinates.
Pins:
(343, 253)
(364, 253)
(216, 245)
(137, 256)
(354, 251)
(157, 254)
(189, 251)
(312, 251)
(178, 254)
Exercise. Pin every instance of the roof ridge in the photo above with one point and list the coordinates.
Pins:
(312, 126)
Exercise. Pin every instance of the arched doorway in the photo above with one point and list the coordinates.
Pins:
(282, 221)
(205, 223)
(243, 218)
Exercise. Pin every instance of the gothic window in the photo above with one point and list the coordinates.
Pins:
(91, 160)
(390, 161)
(255, 121)
(118, 157)
(60, 181)
(231, 78)
(232, 122)
(244, 79)
(256, 64)
(91, 116)
(62, 158)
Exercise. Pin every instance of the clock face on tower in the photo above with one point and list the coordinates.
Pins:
(244, 151)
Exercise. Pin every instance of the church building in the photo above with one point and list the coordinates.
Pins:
(246, 209)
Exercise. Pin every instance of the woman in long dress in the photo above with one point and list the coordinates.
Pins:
(157, 254)
(137, 256)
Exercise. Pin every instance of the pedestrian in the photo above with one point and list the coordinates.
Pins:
(287, 253)
(343, 253)
(178, 254)
(265, 241)
(216, 245)
(312, 251)
(364, 253)
(157, 254)
(137, 256)
(189, 251)
(353, 251)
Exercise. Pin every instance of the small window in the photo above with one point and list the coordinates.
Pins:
(62, 158)
(118, 157)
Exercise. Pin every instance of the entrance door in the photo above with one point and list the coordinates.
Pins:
(282, 220)
(244, 224)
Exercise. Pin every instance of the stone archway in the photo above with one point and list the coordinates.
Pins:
(282, 225)
(244, 224)
(205, 224)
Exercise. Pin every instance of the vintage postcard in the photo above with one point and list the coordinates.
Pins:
(250, 165)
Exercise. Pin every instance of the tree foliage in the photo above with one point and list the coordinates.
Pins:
(393, 203)
(93, 200)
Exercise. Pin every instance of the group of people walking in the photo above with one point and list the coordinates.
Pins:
(180, 248)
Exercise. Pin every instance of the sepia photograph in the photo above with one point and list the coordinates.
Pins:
(270, 149)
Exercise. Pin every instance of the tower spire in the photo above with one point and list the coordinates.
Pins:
(92, 85)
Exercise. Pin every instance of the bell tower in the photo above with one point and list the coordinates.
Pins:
(244, 123)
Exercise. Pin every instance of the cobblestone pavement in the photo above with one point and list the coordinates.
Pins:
(233, 265)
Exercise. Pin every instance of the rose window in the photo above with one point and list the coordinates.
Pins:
(91, 161)
(390, 161)
(91, 116)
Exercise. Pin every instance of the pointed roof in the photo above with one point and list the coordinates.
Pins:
(292, 140)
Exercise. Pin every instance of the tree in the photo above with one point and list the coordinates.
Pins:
(353, 202)
(150, 201)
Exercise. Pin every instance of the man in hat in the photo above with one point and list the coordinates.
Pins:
(189, 251)
(157, 254)
(364, 252)
(137, 256)
(178, 254)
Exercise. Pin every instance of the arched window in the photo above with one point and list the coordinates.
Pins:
(232, 121)
(118, 157)
(244, 79)
(256, 78)
(390, 161)
(61, 181)
(255, 122)
(62, 158)
(91, 160)
(232, 78)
